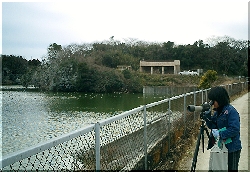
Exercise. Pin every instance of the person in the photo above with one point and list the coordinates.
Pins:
(225, 117)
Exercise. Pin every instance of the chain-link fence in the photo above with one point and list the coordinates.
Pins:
(135, 139)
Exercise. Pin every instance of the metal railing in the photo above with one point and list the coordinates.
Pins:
(122, 142)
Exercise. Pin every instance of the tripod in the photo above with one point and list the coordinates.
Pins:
(200, 136)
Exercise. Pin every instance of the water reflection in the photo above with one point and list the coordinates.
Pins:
(98, 102)
(30, 117)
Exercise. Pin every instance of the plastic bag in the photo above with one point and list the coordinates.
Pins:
(218, 158)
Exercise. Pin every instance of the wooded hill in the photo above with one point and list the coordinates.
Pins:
(92, 67)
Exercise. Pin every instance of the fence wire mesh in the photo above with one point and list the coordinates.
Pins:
(75, 154)
(122, 142)
(125, 142)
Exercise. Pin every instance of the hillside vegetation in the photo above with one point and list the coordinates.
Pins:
(92, 67)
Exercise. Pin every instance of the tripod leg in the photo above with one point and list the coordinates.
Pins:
(196, 151)
(207, 132)
(202, 139)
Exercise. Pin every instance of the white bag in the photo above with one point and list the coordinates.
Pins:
(218, 158)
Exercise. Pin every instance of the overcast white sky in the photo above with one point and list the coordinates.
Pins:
(29, 27)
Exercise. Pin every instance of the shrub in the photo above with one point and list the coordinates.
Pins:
(207, 79)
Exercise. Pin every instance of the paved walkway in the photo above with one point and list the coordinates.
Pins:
(241, 104)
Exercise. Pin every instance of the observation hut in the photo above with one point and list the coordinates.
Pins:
(163, 67)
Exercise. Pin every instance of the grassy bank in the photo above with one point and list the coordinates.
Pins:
(180, 80)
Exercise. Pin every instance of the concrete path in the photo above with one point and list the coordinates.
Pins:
(241, 104)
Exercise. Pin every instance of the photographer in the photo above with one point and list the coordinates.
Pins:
(225, 116)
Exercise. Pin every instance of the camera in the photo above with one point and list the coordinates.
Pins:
(204, 107)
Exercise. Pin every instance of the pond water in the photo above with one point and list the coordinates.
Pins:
(29, 117)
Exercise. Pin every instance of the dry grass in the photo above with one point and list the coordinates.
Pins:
(181, 80)
(181, 150)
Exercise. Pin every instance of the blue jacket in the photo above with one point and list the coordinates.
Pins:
(230, 119)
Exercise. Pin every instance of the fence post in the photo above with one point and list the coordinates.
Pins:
(194, 103)
(145, 137)
(97, 147)
(206, 97)
(185, 112)
(169, 123)
(202, 98)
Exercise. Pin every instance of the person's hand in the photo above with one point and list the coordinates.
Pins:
(208, 114)
(215, 133)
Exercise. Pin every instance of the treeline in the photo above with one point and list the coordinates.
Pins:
(92, 67)
(16, 68)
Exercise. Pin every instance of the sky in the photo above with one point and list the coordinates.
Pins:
(29, 27)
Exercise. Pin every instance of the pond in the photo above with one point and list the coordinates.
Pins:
(30, 117)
